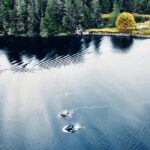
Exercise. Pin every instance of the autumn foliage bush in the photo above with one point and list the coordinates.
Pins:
(125, 22)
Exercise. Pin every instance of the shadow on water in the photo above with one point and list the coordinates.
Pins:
(97, 40)
(122, 44)
(48, 52)
(40, 47)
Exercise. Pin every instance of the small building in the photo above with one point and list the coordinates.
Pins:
(79, 30)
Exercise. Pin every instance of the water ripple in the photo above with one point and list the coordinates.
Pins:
(46, 63)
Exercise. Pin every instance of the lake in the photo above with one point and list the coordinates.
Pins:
(103, 82)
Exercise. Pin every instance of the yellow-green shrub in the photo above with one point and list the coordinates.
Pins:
(147, 23)
(125, 22)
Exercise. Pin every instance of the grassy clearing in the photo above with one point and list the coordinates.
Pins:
(115, 30)
(96, 30)
(147, 23)
(107, 16)
(141, 15)
(142, 31)
(61, 34)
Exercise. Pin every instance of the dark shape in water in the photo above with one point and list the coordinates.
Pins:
(48, 52)
(122, 43)
(70, 128)
(87, 40)
(97, 40)
(65, 114)
(50, 48)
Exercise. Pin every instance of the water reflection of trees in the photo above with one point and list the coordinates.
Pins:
(122, 44)
(47, 51)
(41, 49)
(97, 40)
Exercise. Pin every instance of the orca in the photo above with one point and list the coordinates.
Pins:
(70, 128)
(66, 114)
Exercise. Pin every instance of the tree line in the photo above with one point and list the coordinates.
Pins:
(47, 17)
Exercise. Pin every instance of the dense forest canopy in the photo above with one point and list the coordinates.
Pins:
(47, 17)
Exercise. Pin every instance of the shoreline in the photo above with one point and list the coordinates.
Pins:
(84, 34)
(120, 34)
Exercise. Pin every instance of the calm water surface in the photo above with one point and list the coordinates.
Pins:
(104, 81)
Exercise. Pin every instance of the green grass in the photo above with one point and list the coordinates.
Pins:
(63, 34)
(141, 15)
(143, 31)
(96, 30)
(106, 16)
(115, 30)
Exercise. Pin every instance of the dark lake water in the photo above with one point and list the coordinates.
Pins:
(104, 82)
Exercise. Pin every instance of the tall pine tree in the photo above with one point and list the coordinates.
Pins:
(115, 13)
(73, 15)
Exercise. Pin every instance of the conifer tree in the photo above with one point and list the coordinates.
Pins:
(115, 13)
(73, 15)
(32, 17)
(48, 22)
(87, 16)
(20, 7)
(96, 13)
